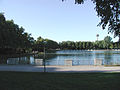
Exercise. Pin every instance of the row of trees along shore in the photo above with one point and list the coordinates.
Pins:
(14, 40)
(87, 45)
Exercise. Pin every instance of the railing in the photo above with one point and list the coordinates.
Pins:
(68, 62)
(20, 60)
(65, 62)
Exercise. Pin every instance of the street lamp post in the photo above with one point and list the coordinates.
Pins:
(97, 36)
(44, 57)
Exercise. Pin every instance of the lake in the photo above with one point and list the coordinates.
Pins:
(78, 57)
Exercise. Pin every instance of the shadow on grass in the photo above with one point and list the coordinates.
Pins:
(59, 81)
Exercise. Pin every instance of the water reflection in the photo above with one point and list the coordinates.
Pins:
(78, 57)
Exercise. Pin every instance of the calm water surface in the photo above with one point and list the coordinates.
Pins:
(78, 57)
(82, 57)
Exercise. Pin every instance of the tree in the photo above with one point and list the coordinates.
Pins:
(50, 44)
(12, 38)
(39, 44)
(108, 41)
(84, 45)
(77, 45)
(109, 13)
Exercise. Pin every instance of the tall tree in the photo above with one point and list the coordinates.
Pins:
(13, 38)
(108, 41)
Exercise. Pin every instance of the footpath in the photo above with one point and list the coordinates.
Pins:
(30, 68)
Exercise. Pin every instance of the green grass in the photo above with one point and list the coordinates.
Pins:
(59, 81)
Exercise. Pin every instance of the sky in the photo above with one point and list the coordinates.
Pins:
(55, 20)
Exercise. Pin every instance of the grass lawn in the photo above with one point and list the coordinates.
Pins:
(59, 81)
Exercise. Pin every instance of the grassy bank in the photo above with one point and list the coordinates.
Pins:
(59, 81)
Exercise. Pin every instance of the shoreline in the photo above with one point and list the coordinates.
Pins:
(105, 50)
(93, 49)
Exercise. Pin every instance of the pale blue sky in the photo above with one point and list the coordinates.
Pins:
(54, 19)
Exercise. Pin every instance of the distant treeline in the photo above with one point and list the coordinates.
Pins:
(14, 39)
(107, 43)
(82, 45)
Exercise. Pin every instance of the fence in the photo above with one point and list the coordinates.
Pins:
(68, 62)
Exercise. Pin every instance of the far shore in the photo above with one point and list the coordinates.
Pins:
(105, 50)
(93, 49)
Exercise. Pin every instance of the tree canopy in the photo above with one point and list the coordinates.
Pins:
(85, 45)
(109, 13)
(12, 37)
(40, 43)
